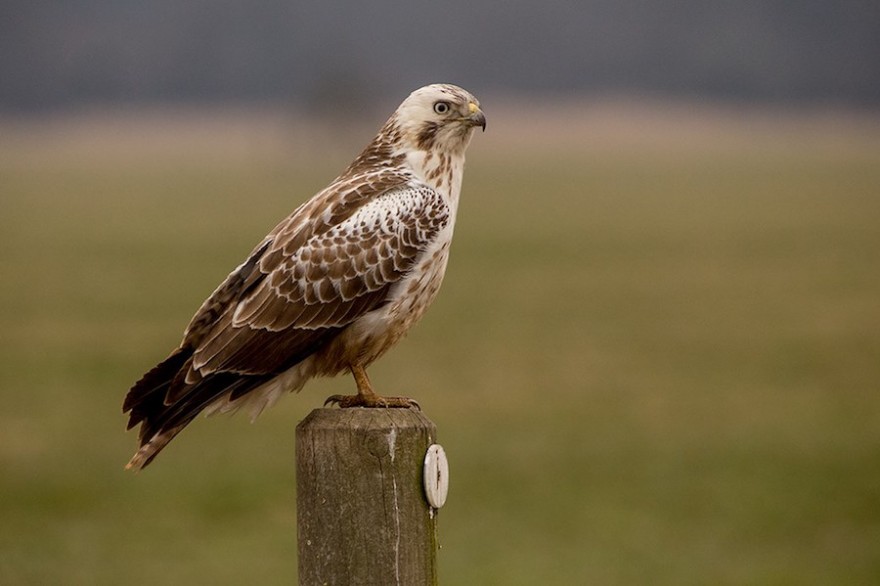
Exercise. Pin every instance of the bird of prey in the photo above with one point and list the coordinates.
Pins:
(331, 288)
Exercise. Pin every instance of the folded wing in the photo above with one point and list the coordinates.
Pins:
(315, 274)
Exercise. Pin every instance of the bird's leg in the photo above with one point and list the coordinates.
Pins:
(366, 396)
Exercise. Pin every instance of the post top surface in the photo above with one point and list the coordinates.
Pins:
(363, 418)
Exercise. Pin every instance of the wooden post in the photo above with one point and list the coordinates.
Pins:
(362, 516)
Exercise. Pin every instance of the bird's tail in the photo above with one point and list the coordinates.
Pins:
(145, 404)
(163, 402)
(151, 448)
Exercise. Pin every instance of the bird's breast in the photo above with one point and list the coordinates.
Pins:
(415, 293)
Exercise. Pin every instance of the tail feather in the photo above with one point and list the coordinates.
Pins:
(150, 449)
(148, 394)
(163, 403)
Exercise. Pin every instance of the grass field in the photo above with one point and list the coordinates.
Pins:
(655, 359)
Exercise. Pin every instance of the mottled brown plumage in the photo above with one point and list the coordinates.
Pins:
(331, 288)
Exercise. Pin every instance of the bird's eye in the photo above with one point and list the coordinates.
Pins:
(441, 107)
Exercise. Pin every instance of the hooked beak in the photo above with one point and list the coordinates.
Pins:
(476, 116)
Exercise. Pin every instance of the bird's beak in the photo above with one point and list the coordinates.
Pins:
(476, 116)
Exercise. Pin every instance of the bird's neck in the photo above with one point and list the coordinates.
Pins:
(441, 171)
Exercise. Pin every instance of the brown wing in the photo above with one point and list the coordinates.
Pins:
(300, 287)
(301, 293)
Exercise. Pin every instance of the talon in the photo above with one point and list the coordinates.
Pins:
(334, 399)
(372, 402)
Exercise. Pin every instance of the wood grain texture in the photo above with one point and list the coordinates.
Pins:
(362, 515)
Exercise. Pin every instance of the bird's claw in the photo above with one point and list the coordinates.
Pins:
(372, 402)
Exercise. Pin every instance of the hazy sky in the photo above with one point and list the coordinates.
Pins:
(98, 51)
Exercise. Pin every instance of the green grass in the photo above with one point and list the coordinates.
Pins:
(646, 367)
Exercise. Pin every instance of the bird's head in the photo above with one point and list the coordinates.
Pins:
(439, 117)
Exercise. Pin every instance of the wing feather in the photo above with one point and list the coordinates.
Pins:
(332, 279)
(334, 259)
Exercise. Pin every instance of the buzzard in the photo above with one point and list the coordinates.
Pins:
(331, 288)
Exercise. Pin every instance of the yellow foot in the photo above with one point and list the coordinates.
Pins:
(372, 401)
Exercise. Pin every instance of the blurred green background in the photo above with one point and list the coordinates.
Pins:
(655, 358)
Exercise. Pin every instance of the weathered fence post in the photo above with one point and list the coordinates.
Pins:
(362, 515)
